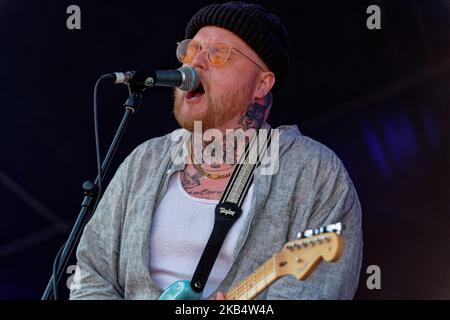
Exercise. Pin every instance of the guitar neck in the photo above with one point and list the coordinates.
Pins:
(298, 258)
(255, 283)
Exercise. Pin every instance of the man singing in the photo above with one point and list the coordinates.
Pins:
(156, 216)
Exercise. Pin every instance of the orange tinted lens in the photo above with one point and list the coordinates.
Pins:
(187, 50)
(218, 53)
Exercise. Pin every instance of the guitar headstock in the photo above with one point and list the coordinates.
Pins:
(300, 257)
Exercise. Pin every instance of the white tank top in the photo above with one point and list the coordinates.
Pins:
(181, 227)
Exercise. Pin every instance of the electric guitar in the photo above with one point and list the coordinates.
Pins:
(298, 258)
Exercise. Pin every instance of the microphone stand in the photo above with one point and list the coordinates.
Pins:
(91, 192)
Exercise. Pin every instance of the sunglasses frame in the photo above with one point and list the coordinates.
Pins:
(202, 45)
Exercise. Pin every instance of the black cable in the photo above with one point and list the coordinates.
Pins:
(56, 262)
(54, 273)
(97, 142)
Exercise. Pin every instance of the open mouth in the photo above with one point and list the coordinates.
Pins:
(197, 93)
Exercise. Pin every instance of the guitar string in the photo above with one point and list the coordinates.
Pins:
(260, 274)
(240, 285)
(255, 284)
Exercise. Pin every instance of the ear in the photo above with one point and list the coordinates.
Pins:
(266, 80)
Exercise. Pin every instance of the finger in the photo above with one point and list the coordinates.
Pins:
(220, 296)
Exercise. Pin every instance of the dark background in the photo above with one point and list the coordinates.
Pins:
(378, 98)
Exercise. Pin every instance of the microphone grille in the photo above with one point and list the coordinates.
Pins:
(191, 79)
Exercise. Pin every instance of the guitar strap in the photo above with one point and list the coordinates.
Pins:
(228, 210)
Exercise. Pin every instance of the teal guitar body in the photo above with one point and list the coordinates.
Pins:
(180, 290)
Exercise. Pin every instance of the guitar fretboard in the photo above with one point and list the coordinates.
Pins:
(255, 283)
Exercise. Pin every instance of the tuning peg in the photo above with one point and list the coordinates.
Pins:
(319, 231)
(290, 246)
(308, 233)
(297, 246)
(336, 227)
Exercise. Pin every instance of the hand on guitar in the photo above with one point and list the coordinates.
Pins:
(219, 296)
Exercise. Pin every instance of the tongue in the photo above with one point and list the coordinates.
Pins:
(194, 94)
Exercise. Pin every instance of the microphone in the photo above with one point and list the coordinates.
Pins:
(185, 78)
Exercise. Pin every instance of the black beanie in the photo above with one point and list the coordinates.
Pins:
(261, 30)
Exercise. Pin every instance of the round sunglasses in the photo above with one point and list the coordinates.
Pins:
(218, 52)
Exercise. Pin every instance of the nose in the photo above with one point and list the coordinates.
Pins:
(200, 61)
